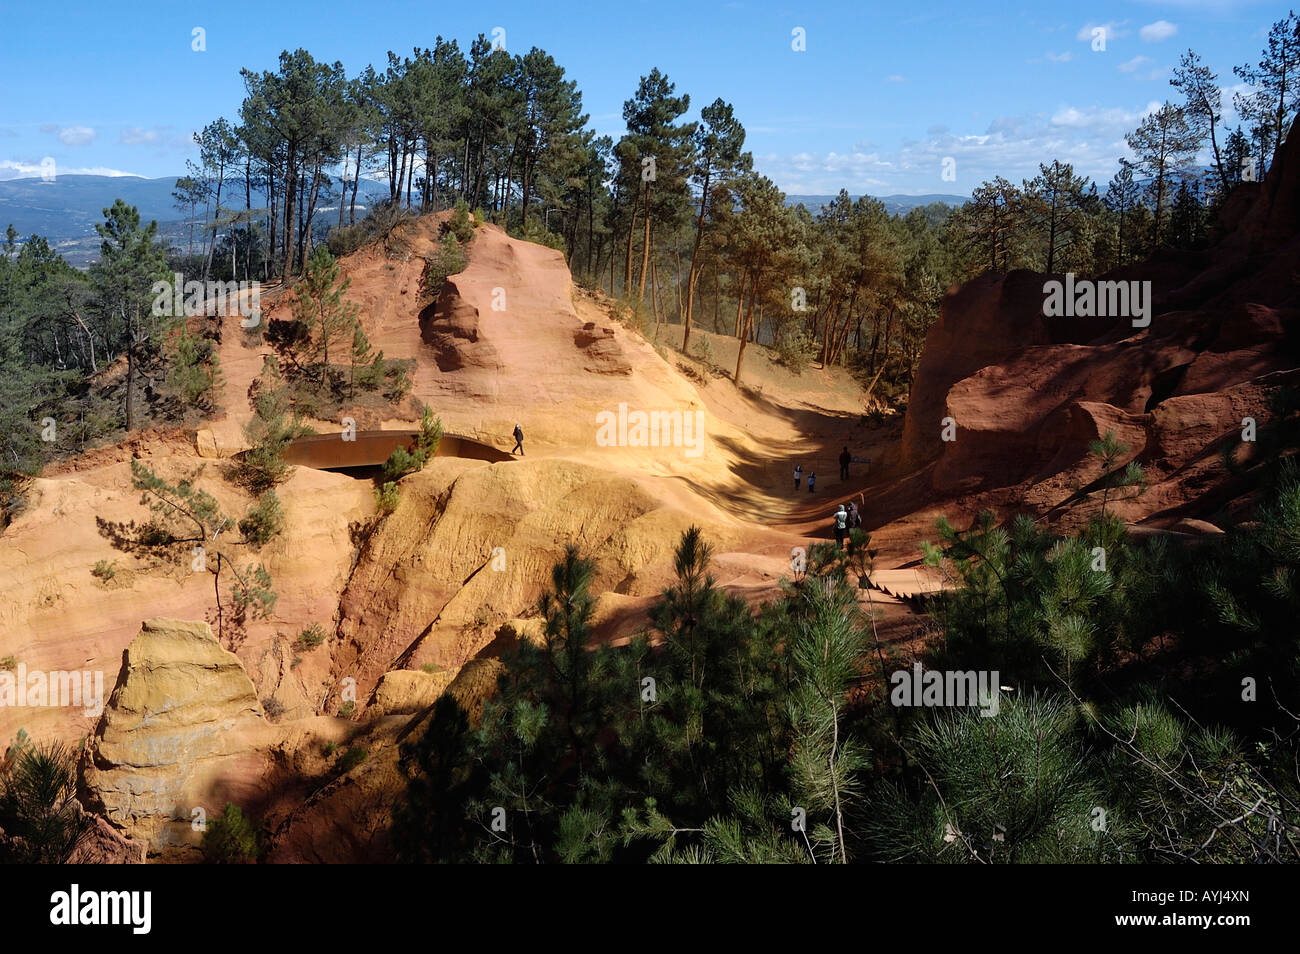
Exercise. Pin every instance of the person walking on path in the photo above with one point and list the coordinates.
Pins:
(845, 459)
(841, 526)
(798, 475)
(519, 440)
(812, 479)
(855, 518)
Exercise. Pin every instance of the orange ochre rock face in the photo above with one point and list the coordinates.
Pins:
(415, 603)
(1007, 399)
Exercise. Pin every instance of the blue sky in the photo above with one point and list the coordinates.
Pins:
(881, 95)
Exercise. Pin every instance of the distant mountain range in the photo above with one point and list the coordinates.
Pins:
(66, 210)
(894, 204)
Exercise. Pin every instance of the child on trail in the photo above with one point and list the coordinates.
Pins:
(519, 440)
(812, 479)
(845, 459)
(798, 475)
(841, 525)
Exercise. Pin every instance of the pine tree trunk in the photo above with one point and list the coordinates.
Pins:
(311, 211)
(695, 252)
(352, 209)
(343, 187)
(410, 176)
(627, 271)
(212, 242)
(130, 376)
(678, 256)
(273, 220)
(740, 302)
(594, 269)
(717, 297)
(645, 251)
(290, 190)
(248, 214)
(749, 320)
(654, 294)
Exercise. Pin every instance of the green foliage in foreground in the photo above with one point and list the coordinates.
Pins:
(699, 749)
(39, 822)
(748, 735)
(402, 462)
(231, 838)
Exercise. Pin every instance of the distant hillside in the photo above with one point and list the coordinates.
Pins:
(66, 210)
(894, 204)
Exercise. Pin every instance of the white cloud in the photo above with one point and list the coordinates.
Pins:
(1091, 138)
(893, 78)
(1133, 64)
(135, 136)
(1155, 32)
(77, 135)
(1061, 57)
(17, 169)
(1113, 121)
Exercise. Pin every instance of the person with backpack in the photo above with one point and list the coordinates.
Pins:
(855, 518)
(812, 479)
(845, 459)
(798, 475)
(841, 526)
(519, 440)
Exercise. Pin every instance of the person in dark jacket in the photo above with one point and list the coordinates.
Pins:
(519, 440)
(812, 481)
(845, 459)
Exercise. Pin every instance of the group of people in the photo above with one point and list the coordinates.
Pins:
(845, 459)
(846, 517)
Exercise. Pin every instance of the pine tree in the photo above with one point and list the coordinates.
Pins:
(656, 158)
(186, 529)
(1202, 105)
(1054, 205)
(319, 306)
(1123, 195)
(1011, 788)
(273, 426)
(826, 760)
(1164, 144)
(719, 139)
(131, 261)
(1186, 218)
(195, 372)
(991, 219)
(360, 354)
(1276, 83)
(40, 822)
